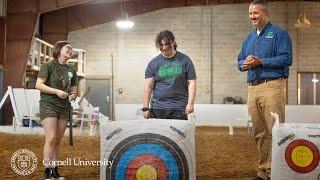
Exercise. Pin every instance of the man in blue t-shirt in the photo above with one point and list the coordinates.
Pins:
(266, 55)
(171, 79)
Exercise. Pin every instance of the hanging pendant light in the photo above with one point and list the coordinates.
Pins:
(124, 22)
(315, 80)
(302, 21)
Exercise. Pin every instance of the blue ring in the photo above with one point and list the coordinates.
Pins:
(151, 149)
(152, 139)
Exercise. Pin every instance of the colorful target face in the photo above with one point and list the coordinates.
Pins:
(302, 156)
(147, 156)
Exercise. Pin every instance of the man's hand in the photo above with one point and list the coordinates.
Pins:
(189, 109)
(246, 65)
(146, 114)
(251, 62)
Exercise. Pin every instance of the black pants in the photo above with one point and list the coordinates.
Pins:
(168, 114)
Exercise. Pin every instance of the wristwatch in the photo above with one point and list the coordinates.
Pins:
(144, 109)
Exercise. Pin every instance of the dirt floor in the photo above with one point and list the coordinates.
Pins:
(218, 155)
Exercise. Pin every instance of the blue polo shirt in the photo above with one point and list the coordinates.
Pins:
(273, 46)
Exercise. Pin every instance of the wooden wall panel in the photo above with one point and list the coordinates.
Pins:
(2, 41)
(22, 6)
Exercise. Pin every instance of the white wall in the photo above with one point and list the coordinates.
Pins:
(225, 114)
(203, 33)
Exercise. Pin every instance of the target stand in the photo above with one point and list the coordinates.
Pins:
(148, 149)
(295, 151)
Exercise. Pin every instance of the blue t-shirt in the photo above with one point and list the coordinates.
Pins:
(273, 46)
(171, 77)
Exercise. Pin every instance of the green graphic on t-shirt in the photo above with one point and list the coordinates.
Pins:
(170, 70)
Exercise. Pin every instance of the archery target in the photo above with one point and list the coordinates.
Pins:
(148, 149)
(295, 151)
(302, 156)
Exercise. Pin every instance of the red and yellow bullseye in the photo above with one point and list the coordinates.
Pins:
(147, 167)
(302, 156)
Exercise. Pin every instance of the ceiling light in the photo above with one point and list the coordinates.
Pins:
(315, 80)
(124, 22)
(302, 21)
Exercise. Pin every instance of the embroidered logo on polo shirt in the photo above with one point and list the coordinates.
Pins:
(269, 35)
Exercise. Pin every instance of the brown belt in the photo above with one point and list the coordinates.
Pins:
(257, 82)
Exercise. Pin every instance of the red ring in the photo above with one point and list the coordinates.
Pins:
(311, 146)
(147, 159)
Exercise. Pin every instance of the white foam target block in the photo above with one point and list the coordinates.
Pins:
(302, 113)
(295, 151)
(21, 101)
(144, 149)
(127, 111)
(32, 99)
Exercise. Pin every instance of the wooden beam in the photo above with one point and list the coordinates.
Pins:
(19, 35)
(91, 14)
(22, 7)
(51, 5)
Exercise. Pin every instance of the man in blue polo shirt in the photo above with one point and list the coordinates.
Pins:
(266, 55)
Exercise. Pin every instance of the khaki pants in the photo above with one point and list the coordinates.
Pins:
(262, 99)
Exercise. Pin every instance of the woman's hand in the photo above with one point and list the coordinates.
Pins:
(62, 94)
(72, 96)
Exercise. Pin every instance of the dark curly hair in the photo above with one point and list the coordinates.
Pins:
(168, 37)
